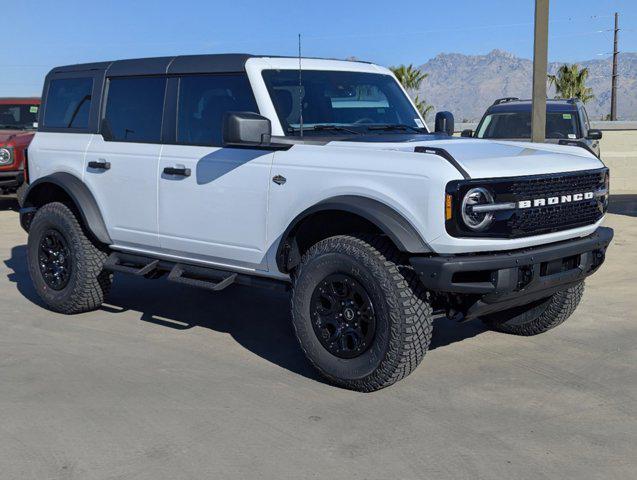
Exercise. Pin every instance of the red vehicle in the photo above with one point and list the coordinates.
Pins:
(18, 122)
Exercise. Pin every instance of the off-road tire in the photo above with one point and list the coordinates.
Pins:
(537, 317)
(88, 282)
(403, 314)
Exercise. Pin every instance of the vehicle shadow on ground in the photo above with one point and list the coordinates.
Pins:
(257, 319)
(623, 204)
(8, 203)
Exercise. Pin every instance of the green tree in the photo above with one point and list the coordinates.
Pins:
(570, 82)
(411, 78)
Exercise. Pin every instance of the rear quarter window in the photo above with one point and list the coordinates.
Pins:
(68, 103)
(134, 107)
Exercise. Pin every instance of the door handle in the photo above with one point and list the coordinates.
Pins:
(181, 171)
(100, 164)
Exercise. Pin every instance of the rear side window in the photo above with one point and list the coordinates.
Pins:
(203, 100)
(68, 103)
(134, 109)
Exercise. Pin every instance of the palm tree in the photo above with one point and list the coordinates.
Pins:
(570, 82)
(423, 107)
(411, 78)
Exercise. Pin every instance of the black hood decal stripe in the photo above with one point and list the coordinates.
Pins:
(441, 152)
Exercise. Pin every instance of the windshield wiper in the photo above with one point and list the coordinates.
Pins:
(395, 126)
(320, 128)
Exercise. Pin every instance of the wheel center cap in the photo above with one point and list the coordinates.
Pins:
(348, 313)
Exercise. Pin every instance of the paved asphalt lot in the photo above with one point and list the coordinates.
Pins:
(168, 382)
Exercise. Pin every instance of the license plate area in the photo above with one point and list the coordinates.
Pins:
(560, 265)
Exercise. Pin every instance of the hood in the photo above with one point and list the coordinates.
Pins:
(490, 158)
(15, 135)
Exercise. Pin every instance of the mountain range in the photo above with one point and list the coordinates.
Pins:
(467, 84)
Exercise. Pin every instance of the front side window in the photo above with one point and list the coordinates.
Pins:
(134, 107)
(68, 103)
(203, 100)
(518, 125)
(18, 116)
(349, 101)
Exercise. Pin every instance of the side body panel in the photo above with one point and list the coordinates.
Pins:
(218, 213)
(415, 191)
(58, 152)
(127, 192)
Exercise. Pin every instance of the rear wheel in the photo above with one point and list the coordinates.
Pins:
(539, 316)
(360, 315)
(66, 267)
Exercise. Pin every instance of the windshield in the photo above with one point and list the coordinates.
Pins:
(341, 102)
(518, 125)
(18, 117)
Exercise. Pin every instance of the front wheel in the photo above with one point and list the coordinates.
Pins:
(360, 315)
(539, 316)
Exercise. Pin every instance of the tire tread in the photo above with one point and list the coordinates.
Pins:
(558, 309)
(93, 282)
(410, 312)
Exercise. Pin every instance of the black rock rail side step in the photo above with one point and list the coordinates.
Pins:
(140, 266)
(209, 279)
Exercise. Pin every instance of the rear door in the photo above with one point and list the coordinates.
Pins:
(121, 162)
(212, 200)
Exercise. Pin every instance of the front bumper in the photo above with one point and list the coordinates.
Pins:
(11, 179)
(488, 283)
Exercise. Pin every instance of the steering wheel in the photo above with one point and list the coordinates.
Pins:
(364, 120)
(556, 135)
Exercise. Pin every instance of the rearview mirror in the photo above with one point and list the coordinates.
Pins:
(467, 133)
(594, 134)
(246, 129)
(444, 123)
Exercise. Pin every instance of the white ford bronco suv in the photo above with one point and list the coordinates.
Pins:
(318, 175)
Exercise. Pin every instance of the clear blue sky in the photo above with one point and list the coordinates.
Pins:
(41, 34)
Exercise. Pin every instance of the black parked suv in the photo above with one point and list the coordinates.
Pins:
(566, 123)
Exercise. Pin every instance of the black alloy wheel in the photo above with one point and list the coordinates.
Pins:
(343, 316)
(54, 259)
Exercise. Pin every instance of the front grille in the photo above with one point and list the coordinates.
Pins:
(525, 222)
(556, 185)
(552, 218)
(535, 221)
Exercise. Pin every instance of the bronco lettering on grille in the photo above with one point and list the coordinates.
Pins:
(541, 202)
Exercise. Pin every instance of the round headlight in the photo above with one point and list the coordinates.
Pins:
(477, 220)
(5, 156)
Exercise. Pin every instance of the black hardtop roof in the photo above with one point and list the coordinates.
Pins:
(210, 63)
(225, 62)
(517, 105)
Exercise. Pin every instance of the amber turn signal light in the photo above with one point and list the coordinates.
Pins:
(448, 207)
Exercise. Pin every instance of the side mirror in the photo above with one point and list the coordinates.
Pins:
(444, 123)
(244, 129)
(467, 133)
(594, 134)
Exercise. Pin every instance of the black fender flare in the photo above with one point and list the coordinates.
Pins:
(389, 221)
(79, 194)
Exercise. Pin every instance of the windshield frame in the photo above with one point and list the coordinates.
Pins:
(341, 128)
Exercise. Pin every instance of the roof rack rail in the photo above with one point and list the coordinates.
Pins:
(505, 100)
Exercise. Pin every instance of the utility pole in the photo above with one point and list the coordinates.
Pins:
(540, 60)
(613, 90)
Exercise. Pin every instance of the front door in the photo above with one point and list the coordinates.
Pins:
(121, 163)
(213, 200)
